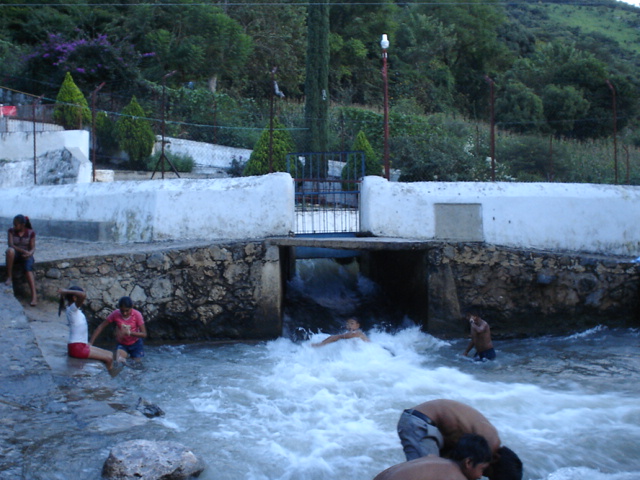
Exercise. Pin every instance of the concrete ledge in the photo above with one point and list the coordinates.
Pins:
(149, 211)
(73, 230)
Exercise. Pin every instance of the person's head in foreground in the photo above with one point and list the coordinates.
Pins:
(472, 454)
(507, 466)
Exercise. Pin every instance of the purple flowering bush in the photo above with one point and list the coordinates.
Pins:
(90, 60)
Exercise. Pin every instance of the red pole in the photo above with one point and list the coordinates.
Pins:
(385, 80)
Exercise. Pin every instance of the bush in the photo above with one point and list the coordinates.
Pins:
(134, 134)
(258, 163)
(182, 163)
(107, 143)
(71, 110)
(353, 169)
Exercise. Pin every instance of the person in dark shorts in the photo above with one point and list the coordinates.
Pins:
(480, 339)
(22, 246)
(130, 329)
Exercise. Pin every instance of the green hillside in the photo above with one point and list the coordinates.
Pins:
(547, 74)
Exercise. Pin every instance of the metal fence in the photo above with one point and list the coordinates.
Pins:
(327, 190)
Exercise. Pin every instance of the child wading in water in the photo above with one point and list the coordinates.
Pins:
(77, 346)
(130, 329)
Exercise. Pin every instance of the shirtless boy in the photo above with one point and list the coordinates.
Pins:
(469, 458)
(480, 339)
(353, 331)
(434, 428)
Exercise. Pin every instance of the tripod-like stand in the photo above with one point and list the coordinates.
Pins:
(163, 157)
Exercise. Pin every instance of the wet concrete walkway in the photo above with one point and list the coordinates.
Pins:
(49, 401)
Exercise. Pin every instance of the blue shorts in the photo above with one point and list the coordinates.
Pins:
(488, 354)
(135, 350)
(27, 263)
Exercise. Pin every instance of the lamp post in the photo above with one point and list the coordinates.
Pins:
(384, 44)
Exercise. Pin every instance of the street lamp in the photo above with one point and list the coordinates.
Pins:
(384, 43)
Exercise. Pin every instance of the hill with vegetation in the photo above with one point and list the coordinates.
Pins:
(557, 79)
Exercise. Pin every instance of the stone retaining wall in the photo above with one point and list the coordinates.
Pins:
(235, 290)
(529, 292)
(222, 291)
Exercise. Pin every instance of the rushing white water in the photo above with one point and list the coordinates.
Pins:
(282, 410)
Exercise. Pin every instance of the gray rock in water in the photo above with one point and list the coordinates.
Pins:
(149, 409)
(150, 460)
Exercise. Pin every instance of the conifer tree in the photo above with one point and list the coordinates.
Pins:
(134, 134)
(353, 168)
(71, 110)
(283, 144)
(317, 77)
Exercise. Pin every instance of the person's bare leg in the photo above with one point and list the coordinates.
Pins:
(10, 256)
(103, 355)
(32, 285)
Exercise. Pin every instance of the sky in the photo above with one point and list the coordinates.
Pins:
(632, 2)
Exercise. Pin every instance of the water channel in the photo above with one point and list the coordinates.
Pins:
(569, 406)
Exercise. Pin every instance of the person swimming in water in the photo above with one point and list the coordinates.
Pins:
(353, 331)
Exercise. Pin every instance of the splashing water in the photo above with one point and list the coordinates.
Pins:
(568, 406)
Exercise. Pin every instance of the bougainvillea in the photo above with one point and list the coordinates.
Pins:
(90, 61)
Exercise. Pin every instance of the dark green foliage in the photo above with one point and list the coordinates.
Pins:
(532, 158)
(134, 134)
(519, 109)
(107, 142)
(181, 162)
(317, 77)
(265, 159)
(444, 152)
(72, 110)
(353, 168)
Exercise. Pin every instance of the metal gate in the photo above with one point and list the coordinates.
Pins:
(327, 191)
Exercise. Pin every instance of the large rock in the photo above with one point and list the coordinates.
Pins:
(149, 460)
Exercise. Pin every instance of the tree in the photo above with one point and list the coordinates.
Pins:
(519, 109)
(423, 46)
(562, 106)
(71, 110)
(317, 77)
(267, 148)
(134, 133)
(356, 28)
(200, 41)
(279, 38)
(353, 168)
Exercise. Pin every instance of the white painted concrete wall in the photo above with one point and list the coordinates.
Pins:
(19, 145)
(575, 217)
(175, 209)
(207, 156)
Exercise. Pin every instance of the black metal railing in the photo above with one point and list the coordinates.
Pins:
(327, 186)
